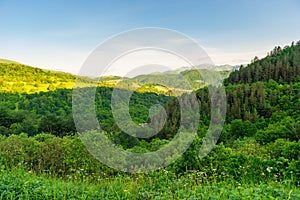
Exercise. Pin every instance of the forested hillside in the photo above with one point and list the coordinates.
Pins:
(281, 65)
(259, 144)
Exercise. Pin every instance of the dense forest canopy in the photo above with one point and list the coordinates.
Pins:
(251, 102)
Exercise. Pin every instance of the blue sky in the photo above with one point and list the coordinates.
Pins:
(60, 34)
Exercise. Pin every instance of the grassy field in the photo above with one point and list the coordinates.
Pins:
(18, 184)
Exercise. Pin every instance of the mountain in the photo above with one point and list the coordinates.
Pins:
(226, 68)
(16, 77)
(186, 78)
(19, 78)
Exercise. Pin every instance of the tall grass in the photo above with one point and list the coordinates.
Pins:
(48, 167)
(18, 184)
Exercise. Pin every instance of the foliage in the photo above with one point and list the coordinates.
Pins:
(281, 65)
(256, 156)
(19, 184)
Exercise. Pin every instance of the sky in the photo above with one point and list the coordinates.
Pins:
(61, 34)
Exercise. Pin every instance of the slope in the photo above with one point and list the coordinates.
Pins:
(281, 65)
(19, 78)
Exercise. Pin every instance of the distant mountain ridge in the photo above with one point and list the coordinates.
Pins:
(281, 64)
(19, 78)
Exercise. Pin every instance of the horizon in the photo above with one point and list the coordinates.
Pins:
(231, 34)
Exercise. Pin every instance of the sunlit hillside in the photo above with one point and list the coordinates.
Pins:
(25, 79)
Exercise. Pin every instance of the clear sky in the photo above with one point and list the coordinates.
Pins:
(59, 35)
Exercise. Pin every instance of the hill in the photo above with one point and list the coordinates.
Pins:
(19, 78)
(281, 65)
(7, 61)
(259, 144)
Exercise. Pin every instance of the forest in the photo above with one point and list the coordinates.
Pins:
(256, 156)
